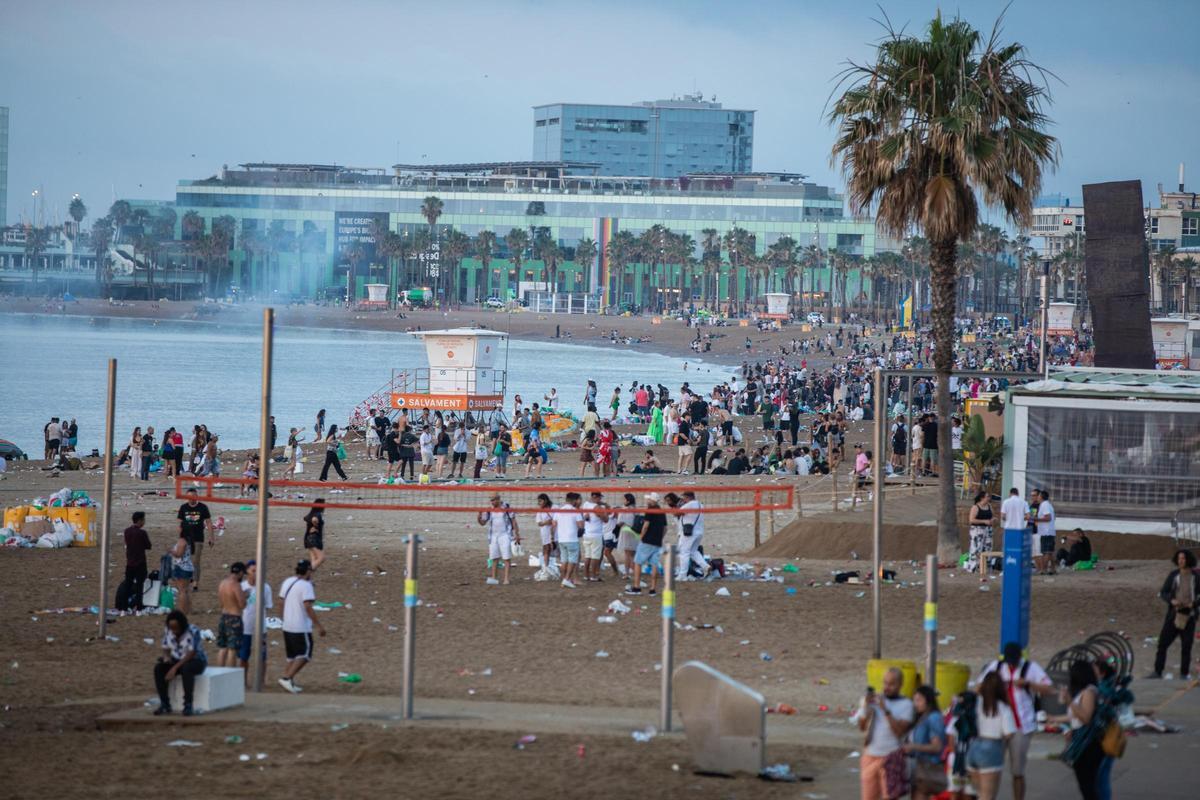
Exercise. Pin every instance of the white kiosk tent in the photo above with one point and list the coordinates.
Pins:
(1118, 450)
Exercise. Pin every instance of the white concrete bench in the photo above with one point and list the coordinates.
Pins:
(216, 688)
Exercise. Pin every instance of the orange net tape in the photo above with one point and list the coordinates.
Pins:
(459, 498)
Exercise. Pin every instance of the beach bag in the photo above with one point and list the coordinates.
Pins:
(121, 601)
(341, 452)
(151, 590)
(299, 470)
(1113, 740)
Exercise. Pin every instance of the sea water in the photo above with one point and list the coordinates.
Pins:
(181, 373)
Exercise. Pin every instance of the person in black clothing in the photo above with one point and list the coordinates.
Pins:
(274, 432)
(654, 528)
(1079, 548)
(314, 533)
(700, 454)
(929, 433)
(331, 455)
(793, 422)
(391, 446)
(699, 411)
(1180, 592)
(739, 464)
(147, 454)
(136, 545)
(381, 423)
(194, 519)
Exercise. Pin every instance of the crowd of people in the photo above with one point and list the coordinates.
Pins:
(914, 747)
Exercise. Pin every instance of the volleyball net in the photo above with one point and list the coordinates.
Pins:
(475, 497)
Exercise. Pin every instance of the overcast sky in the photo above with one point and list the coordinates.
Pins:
(127, 97)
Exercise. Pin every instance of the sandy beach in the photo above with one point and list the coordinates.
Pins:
(667, 336)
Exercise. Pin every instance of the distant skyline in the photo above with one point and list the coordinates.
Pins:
(127, 97)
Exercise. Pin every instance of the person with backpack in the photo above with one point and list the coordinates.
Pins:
(1088, 717)
(1024, 683)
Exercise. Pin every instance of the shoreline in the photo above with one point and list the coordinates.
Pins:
(667, 338)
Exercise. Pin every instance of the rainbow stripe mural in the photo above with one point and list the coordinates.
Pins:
(606, 227)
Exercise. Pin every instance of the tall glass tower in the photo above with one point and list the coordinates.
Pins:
(656, 138)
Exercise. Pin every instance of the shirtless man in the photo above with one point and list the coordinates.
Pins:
(233, 603)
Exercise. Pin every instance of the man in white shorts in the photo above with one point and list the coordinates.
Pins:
(502, 531)
(593, 535)
(690, 536)
(568, 523)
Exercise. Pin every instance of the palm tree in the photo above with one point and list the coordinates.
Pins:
(810, 260)
(1163, 260)
(431, 210)
(120, 213)
(546, 248)
(1187, 268)
(485, 246)
(739, 245)
(517, 242)
(77, 210)
(927, 128)
(101, 238)
(455, 248)
(622, 250)
(683, 253)
(710, 261)
(37, 238)
(585, 257)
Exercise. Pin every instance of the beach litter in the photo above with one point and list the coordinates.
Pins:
(183, 743)
(722, 592)
(349, 677)
(781, 773)
(525, 741)
(646, 734)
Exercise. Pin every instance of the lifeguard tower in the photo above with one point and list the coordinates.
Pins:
(777, 305)
(461, 376)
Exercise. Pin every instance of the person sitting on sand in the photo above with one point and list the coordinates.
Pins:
(649, 465)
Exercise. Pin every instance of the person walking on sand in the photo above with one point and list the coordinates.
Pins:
(331, 455)
(299, 620)
(319, 428)
(458, 449)
(314, 533)
(502, 534)
(230, 627)
(194, 521)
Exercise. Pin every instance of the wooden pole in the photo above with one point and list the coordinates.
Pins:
(757, 527)
(106, 502)
(258, 640)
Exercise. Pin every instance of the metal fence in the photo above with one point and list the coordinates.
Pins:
(1115, 462)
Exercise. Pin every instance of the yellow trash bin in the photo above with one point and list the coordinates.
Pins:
(83, 520)
(15, 517)
(952, 678)
(877, 667)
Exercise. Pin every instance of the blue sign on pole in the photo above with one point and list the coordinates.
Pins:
(1014, 601)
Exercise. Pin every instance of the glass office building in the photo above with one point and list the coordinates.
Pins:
(320, 218)
(3, 166)
(656, 138)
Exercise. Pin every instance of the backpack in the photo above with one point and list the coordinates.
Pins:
(124, 590)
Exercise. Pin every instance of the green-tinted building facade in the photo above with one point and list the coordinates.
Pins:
(301, 229)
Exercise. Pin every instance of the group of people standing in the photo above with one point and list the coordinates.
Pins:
(586, 534)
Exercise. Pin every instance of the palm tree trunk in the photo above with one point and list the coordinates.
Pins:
(942, 280)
